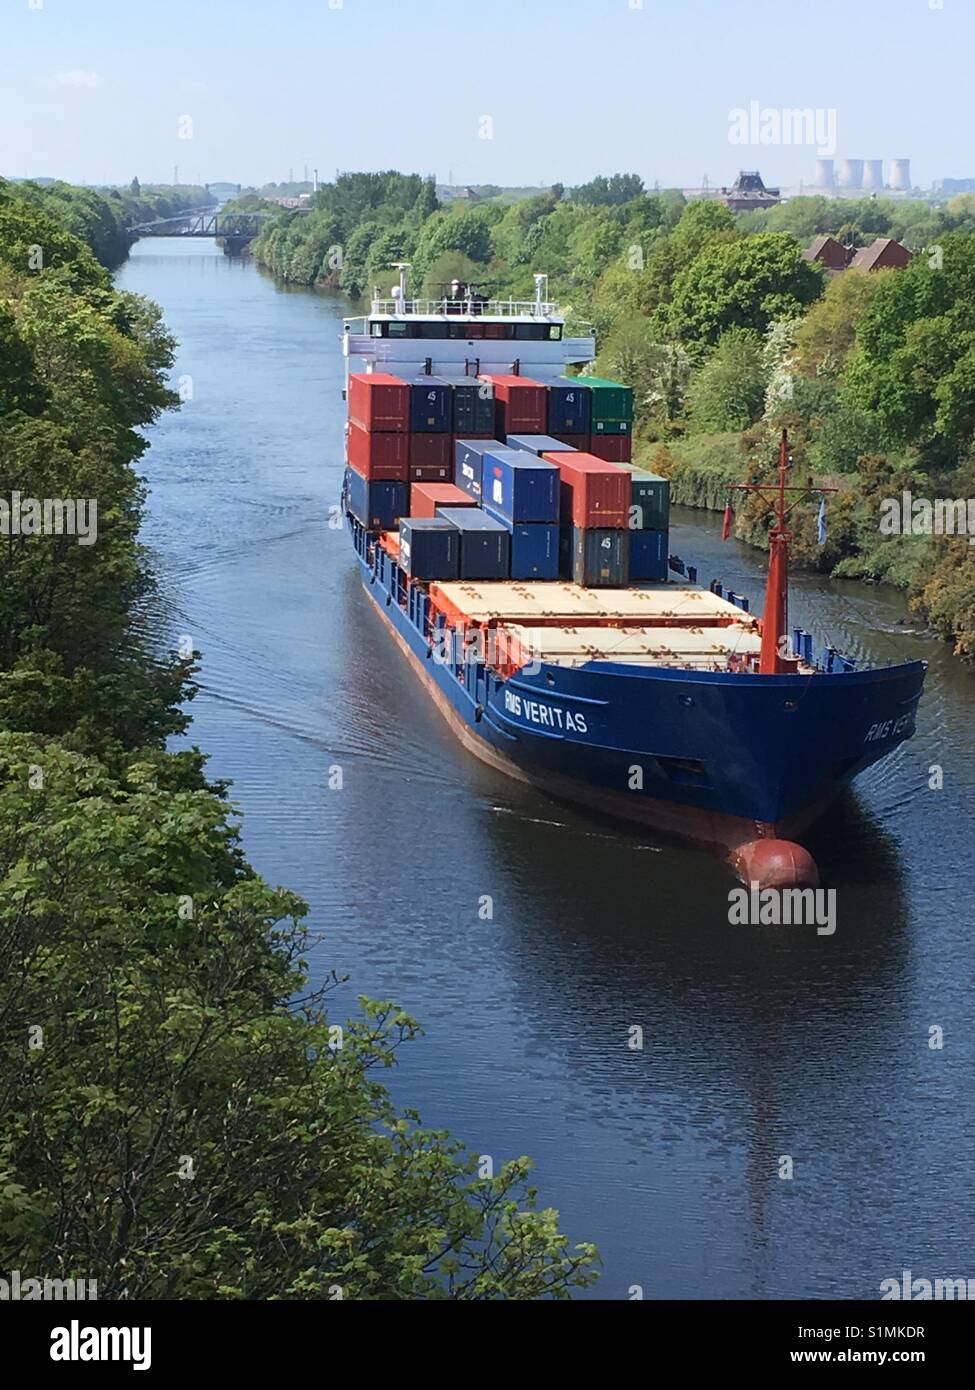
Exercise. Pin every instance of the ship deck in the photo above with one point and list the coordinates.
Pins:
(697, 648)
(548, 601)
(565, 624)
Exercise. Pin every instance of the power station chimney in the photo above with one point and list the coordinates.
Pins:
(849, 173)
(873, 173)
(900, 174)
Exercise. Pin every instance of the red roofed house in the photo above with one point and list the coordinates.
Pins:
(882, 254)
(827, 251)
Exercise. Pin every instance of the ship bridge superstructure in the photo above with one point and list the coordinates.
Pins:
(464, 333)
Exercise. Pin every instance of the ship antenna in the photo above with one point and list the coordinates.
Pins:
(541, 293)
(402, 267)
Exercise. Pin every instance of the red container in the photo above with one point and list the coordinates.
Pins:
(616, 448)
(430, 451)
(576, 441)
(594, 492)
(521, 404)
(425, 498)
(428, 474)
(379, 457)
(379, 402)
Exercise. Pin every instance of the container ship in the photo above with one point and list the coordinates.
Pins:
(522, 565)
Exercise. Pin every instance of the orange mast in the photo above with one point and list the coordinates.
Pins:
(775, 620)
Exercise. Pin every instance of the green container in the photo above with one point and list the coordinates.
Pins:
(610, 401)
(649, 502)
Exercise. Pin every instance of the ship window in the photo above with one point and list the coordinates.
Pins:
(495, 330)
(376, 329)
(457, 330)
(397, 330)
(430, 330)
(555, 331)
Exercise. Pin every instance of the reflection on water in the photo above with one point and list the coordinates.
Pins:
(758, 1043)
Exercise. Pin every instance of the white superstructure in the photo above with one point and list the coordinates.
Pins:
(462, 334)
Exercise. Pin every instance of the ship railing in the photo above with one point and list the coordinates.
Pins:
(469, 307)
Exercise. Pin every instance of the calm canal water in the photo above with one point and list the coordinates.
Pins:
(757, 1042)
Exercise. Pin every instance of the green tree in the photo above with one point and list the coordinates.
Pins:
(911, 369)
(617, 189)
(467, 230)
(827, 333)
(728, 391)
(740, 284)
(193, 1126)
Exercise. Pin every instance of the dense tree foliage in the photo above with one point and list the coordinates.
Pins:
(618, 188)
(185, 1131)
(746, 283)
(179, 1117)
(728, 392)
(914, 364)
(101, 217)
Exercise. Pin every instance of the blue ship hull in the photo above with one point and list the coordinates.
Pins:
(725, 760)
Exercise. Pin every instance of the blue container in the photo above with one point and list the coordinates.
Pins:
(539, 444)
(430, 405)
(473, 405)
(377, 506)
(600, 557)
(485, 545)
(469, 463)
(569, 407)
(534, 550)
(650, 497)
(429, 548)
(648, 555)
(520, 487)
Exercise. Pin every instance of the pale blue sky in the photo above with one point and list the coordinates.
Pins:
(93, 90)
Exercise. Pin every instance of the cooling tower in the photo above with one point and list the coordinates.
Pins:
(849, 173)
(824, 173)
(873, 173)
(900, 173)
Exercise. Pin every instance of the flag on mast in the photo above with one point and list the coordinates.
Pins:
(821, 523)
(729, 517)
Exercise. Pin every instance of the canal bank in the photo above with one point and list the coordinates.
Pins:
(754, 1044)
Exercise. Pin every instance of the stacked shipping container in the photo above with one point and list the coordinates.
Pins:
(428, 450)
(649, 523)
(594, 515)
(377, 447)
(609, 416)
(522, 491)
